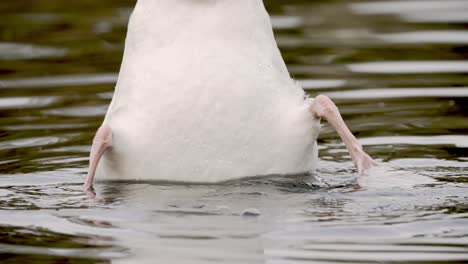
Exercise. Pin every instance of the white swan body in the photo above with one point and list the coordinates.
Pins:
(204, 95)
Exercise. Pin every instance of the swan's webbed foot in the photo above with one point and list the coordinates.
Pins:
(323, 108)
(102, 141)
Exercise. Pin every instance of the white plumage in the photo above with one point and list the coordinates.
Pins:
(204, 96)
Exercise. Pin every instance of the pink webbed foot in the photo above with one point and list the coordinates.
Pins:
(102, 141)
(363, 162)
(324, 108)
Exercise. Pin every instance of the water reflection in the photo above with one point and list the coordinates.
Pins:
(16, 51)
(26, 102)
(410, 67)
(392, 93)
(397, 69)
(409, 6)
(60, 81)
(428, 36)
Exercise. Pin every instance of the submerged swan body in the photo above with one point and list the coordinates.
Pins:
(204, 95)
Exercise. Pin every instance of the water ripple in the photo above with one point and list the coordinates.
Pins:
(26, 102)
(32, 142)
(428, 36)
(321, 84)
(392, 93)
(16, 51)
(60, 81)
(417, 6)
(78, 111)
(460, 141)
(410, 67)
(458, 16)
(286, 22)
(401, 87)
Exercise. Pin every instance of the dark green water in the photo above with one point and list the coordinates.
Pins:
(398, 70)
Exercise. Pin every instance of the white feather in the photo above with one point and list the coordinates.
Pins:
(204, 96)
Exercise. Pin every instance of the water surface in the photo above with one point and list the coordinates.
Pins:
(397, 70)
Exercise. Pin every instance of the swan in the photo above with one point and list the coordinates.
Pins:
(204, 95)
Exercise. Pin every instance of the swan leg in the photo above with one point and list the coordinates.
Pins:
(323, 108)
(102, 141)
